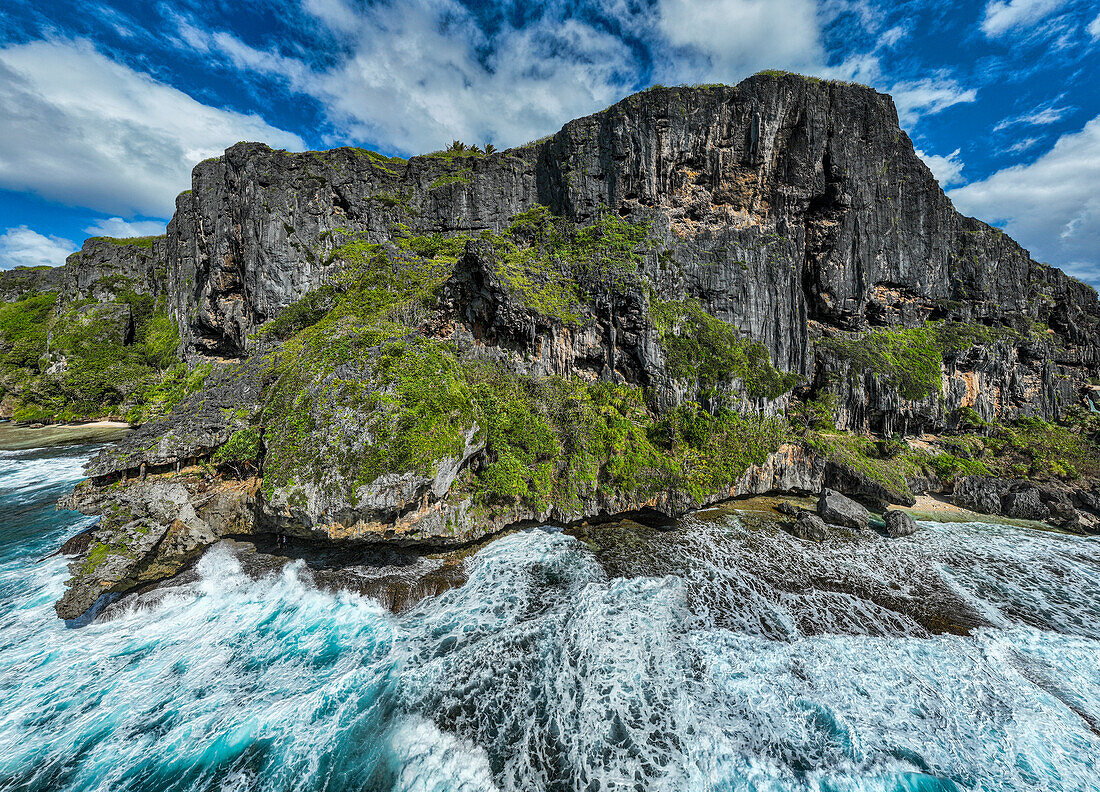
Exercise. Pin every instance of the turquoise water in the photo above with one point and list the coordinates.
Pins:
(727, 659)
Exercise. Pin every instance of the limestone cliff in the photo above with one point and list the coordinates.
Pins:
(635, 313)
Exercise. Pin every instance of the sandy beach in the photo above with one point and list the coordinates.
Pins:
(18, 438)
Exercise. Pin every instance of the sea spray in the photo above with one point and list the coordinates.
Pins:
(726, 655)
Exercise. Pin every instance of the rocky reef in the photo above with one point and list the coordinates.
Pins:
(696, 294)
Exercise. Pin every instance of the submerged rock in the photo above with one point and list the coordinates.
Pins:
(788, 508)
(810, 527)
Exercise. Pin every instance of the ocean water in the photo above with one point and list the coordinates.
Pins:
(725, 656)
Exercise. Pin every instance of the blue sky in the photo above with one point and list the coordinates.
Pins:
(104, 109)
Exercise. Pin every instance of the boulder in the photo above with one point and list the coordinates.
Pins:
(846, 478)
(980, 493)
(809, 527)
(839, 510)
(1088, 500)
(899, 523)
(788, 508)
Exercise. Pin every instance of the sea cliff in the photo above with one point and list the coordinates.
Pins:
(696, 294)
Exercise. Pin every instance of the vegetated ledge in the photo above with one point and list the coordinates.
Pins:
(640, 310)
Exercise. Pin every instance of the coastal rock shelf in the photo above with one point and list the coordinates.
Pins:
(694, 295)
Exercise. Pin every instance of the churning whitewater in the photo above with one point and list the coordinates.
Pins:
(722, 656)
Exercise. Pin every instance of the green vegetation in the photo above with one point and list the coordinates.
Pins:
(1027, 447)
(911, 359)
(458, 177)
(401, 200)
(808, 78)
(85, 359)
(888, 464)
(457, 150)
(162, 393)
(146, 242)
(555, 271)
(241, 451)
(1042, 449)
(394, 401)
(707, 350)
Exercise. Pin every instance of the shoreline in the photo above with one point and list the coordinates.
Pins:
(15, 437)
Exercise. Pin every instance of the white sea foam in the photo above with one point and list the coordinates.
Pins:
(726, 659)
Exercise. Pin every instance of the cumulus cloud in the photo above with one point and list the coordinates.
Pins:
(81, 129)
(24, 247)
(416, 77)
(123, 229)
(725, 40)
(947, 170)
(928, 96)
(1002, 17)
(1050, 205)
(420, 76)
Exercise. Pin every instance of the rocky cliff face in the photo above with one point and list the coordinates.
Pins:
(636, 284)
(104, 268)
(788, 207)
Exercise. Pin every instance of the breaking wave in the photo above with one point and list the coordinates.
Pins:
(722, 656)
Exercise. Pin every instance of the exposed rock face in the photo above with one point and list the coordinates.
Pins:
(153, 527)
(105, 267)
(836, 509)
(1075, 510)
(789, 207)
(899, 523)
(21, 281)
(793, 211)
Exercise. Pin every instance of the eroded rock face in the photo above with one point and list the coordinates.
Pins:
(104, 268)
(150, 529)
(789, 207)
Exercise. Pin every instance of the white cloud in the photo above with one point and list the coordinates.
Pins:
(1040, 116)
(418, 75)
(79, 128)
(892, 36)
(415, 81)
(927, 97)
(1022, 145)
(22, 247)
(947, 170)
(123, 229)
(1001, 17)
(1094, 28)
(1050, 205)
(725, 40)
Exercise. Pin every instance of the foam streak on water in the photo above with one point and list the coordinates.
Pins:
(715, 658)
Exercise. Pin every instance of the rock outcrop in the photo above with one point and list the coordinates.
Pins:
(104, 268)
(899, 523)
(1074, 509)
